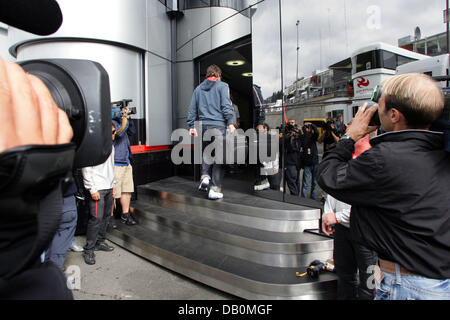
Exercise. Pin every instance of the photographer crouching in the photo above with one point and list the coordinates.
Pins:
(399, 188)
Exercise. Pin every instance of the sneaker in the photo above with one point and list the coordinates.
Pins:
(103, 247)
(204, 184)
(76, 248)
(215, 193)
(89, 258)
(127, 219)
(263, 185)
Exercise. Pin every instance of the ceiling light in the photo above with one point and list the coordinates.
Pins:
(247, 74)
(235, 63)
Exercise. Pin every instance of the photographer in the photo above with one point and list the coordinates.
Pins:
(309, 158)
(292, 136)
(398, 189)
(30, 117)
(329, 136)
(123, 171)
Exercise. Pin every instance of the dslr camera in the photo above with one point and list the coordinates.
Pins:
(119, 109)
(290, 129)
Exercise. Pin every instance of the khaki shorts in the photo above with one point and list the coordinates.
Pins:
(124, 180)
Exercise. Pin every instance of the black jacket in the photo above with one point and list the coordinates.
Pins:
(309, 155)
(400, 196)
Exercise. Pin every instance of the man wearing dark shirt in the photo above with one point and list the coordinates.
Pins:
(399, 189)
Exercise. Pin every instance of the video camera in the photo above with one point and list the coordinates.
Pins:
(118, 108)
(81, 89)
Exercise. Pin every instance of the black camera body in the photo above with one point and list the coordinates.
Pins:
(290, 129)
(81, 89)
(329, 128)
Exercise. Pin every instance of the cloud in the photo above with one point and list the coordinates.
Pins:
(329, 31)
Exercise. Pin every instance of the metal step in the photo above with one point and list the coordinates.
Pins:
(263, 247)
(215, 229)
(206, 264)
(244, 245)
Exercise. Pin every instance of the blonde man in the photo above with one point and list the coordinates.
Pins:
(398, 189)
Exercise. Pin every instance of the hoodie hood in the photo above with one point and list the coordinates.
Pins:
(207, 85)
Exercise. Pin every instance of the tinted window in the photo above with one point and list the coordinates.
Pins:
(389, 60)
(402, 60)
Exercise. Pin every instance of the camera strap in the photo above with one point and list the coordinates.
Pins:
(27, 175)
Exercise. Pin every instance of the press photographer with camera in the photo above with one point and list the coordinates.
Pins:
(329, 136)
(309, 159)
(292, 135)
(398, 189)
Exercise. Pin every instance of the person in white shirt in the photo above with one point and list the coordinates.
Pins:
(99, 180)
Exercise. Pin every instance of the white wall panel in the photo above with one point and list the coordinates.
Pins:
(121, 21)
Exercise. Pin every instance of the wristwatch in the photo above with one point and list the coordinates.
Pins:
(344, 137)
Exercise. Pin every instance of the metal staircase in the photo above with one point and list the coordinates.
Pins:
(245, 245)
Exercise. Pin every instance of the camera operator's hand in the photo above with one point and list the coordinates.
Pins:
(95, 196)
(360, 124)
(125, 112)
(29, 115)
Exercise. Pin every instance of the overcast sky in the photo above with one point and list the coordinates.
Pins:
(330, 30)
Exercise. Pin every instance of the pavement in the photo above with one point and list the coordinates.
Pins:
(122, 275)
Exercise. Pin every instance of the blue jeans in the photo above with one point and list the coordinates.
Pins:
(399, 287)
(214, 170)
(62, 241)
(309, 174)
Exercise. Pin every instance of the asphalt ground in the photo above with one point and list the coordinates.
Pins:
(122, 275)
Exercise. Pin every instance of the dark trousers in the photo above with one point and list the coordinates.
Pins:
(213, 169)
(99, 216)
(62, 241)
(293, 179)
(349, 258)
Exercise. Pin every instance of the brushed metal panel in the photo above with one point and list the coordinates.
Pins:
(185, 85)
(194, 22)
(202, 44)
(158, 29)
(228, 30)
(124, 66)
(158, 101)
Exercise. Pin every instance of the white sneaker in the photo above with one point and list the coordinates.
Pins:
(77, 248)
(204, 184)
(214, 193)
(263, 186)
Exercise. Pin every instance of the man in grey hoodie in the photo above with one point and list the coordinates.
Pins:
(211, 105)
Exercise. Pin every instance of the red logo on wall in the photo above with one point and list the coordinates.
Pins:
(363, 82)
